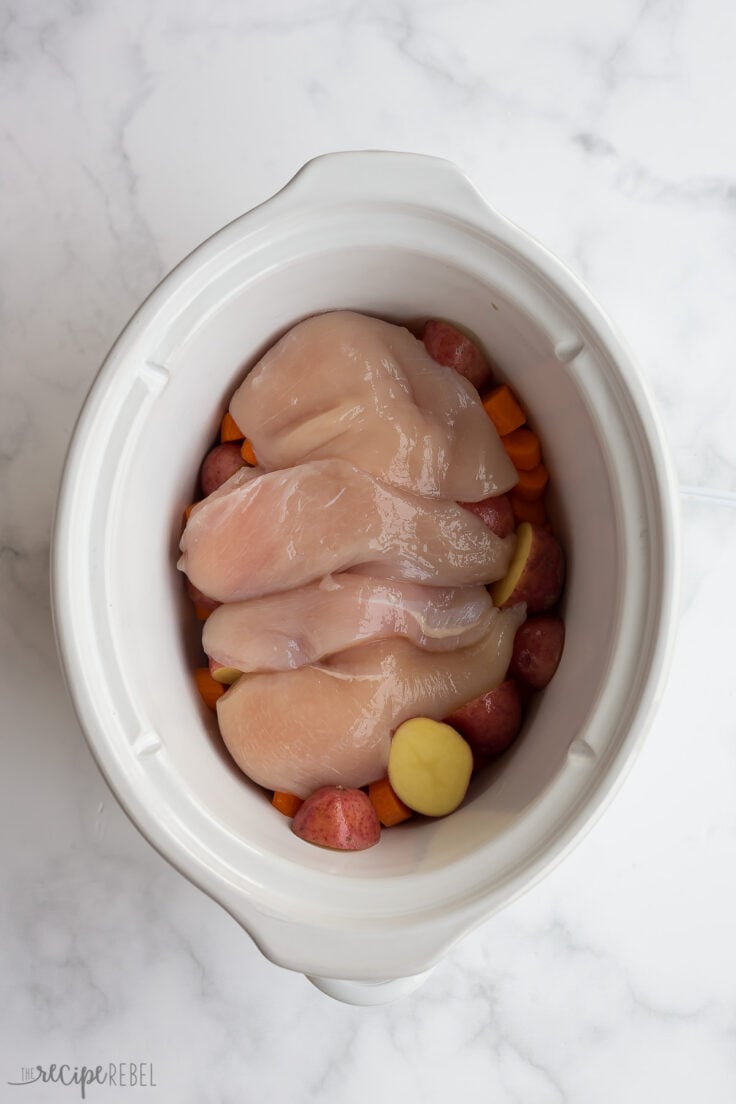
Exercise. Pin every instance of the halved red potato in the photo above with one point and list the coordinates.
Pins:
(429, 766)
(337, 817)
(222, 674)
(536, 574)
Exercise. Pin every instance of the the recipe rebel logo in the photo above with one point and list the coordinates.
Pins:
(121, 1075)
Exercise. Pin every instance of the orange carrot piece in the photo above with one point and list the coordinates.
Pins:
(524, 510)
(248, 454)
(229, 430)
(391, 810)
(523, 449)
(209, 689)
(201, 612)
(503, 410)
(187, 511)
(286, 803)
(532, 483)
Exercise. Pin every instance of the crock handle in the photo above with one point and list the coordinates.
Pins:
(337, 179)
(295, 946)
(369, 992)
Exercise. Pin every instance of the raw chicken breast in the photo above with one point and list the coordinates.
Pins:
(286, 528)
(284, 631)
(346, 386)
(332, 724)
(243, 475)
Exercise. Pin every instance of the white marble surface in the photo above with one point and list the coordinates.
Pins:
(128, 132)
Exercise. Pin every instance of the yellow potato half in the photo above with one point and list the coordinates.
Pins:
(429, 766)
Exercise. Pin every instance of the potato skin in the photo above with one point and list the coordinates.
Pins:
(219, 464)
(538, 647)
(491, 722)
(451, 348)
(542, 574)
(338, 817)
(494, 512)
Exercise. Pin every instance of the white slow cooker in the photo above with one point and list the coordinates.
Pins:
(403, 237)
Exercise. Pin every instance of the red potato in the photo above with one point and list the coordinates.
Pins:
(339, 818)
(494, 512)
(491, 722)
(201, 601)
(480, 762)
(429, 766)
(537, 572)
(450, 347)
(219, 464)
(537, 650)
(222, 674)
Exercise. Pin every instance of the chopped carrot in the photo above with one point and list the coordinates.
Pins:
(503, 410)
(524, 510)
(209, 689)
(286, 803)
(248, 454)
(523, 449)
(188, 511)
(229, 430)
(201, 612)
(391, 810)
(531, 484)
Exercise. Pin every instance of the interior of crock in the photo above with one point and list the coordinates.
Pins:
(157, 637)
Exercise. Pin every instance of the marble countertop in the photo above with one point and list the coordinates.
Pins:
(129, 133)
